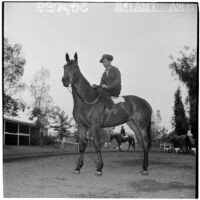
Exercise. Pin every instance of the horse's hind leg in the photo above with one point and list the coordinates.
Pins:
(141, 135)
(82, 131)
(133, 144)
(119, 145)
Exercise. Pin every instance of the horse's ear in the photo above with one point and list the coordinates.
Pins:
(67, 57)
(76, 57)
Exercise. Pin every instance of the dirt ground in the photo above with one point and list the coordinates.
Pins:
(170, 176)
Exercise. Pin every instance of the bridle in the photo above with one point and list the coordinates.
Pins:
(87, 102)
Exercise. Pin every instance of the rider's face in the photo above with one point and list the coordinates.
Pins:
(106, 63)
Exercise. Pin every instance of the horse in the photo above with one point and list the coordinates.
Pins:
(121, 140)
(181, 141)
(89, 113)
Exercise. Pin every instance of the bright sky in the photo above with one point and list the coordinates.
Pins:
(140, 42)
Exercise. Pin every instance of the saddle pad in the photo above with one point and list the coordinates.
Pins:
(118, 99)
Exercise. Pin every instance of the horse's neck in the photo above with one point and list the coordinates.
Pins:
(118, 137)
(77, 100)
(84, 90)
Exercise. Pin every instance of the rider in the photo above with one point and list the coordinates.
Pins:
(110, 80)
(122, 132)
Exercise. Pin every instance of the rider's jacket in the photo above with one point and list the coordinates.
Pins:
(112, 79)
(123, 132)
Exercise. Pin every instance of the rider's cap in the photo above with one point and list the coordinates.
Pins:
(106, 56)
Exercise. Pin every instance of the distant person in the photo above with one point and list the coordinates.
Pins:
(41, 135)
(123, 132)
(110, 81)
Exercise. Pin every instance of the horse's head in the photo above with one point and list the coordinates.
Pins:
(171, 138)
(70, 70)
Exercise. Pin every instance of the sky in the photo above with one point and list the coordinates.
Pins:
(140, 41)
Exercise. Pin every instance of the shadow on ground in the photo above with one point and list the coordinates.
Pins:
(138, 162)
(150, 185)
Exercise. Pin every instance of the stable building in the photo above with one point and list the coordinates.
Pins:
(17, 132)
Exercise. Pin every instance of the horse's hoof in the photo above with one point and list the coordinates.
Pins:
(76, 172)
(145, 173)
(141, 171)
(98, 173)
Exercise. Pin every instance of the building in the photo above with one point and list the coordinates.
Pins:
(17, 132)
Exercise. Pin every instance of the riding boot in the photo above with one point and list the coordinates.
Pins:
(108, 102)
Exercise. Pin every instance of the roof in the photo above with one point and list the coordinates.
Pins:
(19, 121)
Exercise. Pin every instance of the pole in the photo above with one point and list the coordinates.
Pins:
(29, 131)
(4, 131)
(18, 135)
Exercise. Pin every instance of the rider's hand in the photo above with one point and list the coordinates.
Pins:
(104, 86)
(95, 86)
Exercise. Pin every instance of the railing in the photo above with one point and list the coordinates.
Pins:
(17, 134)
(166, 146)
(194, 150)
(68, 142)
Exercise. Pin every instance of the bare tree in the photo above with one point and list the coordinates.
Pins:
(42, 101)
(156, 125)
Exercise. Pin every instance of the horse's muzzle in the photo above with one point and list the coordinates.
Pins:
(65, 81)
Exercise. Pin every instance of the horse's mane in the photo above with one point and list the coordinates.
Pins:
(82, 77)
(85, 83)
(91, 92)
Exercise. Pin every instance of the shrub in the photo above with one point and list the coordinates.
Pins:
(35, 140)
(48, 140)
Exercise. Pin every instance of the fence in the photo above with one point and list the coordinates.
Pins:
(67, 142)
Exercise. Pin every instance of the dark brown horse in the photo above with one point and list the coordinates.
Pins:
(181, 141)
(120, 140)
(88, 113)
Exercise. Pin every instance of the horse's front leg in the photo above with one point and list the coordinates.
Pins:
(119, 145)
(97, 145)
(129, 144)
(133, 144)
(82, 131)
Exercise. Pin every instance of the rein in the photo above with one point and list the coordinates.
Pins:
(87, 102)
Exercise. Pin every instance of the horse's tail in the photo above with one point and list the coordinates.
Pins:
(149, 134)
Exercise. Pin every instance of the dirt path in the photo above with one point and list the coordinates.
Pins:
(171, 176)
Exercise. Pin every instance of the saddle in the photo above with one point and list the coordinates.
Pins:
(110, 101)
(117, 100)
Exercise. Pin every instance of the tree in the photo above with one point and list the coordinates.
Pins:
(62, 123)
(109, 130)
(42, 101)
(164, 134)
(13, 71)
(75, 128)
(105, 134)
(155, 125)
(158, 132)
(185, 67)
(158, 118)
(179, 120)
